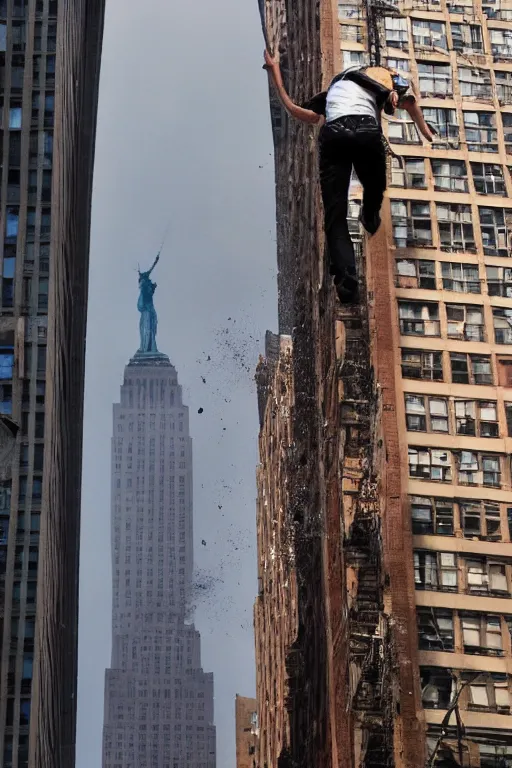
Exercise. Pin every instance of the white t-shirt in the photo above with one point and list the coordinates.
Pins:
(348, 98)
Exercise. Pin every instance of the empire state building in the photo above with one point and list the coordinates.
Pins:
(158, 700)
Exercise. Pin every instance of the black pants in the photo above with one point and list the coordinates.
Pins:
(353, 141)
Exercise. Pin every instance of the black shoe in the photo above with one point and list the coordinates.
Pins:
(371, 224)
(347, 289)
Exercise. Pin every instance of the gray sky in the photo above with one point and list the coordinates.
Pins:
(183, 130)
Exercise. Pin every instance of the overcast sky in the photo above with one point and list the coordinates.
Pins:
(183, 140)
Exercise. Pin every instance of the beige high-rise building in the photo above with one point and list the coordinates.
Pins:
(246, 725)
(395, 450)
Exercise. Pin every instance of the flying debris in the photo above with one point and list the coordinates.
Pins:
(203, 542)
(201, 410)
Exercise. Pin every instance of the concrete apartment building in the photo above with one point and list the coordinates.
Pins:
(394, 450)
(247, 731)
(158, 700)
(49, 74)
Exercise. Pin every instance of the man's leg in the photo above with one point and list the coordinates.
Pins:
(335, 171)
(370, 166)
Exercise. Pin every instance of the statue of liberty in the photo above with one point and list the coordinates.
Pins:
(148, 317)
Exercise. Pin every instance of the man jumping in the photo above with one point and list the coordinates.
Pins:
(351, 137)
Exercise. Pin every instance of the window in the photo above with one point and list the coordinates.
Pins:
(6, 362)
(485, 577)
(445, 122)
(460, 6)
(11, 227)
(479, 469)
(476, 418)
(435, 629)
(408, 172)
(401, 65)
(504, 371)
(351, 32)
(421, 364)
(418, 318)
(450, 175)
(471, 369)
(416, 273)
(502, 319)
(481, 132)
(455, 228)
(481, 634)
(6, 399)
(508, 411)
(431, 515)
(396, 32)
(497, 9)
(475, 83)
(412, 225)
(480, 519)
(354, 59)
(499, 281)
(467, 38)
(436, 687)
(435, 570)
(435, 79)
(501, 44)
(429, 34)
(488, 691)
(495, 232)
(504, 86)
(507, 129)
(426, 414)
(350, 11)
(460, 278)
(488, 178)
(465, 322)
(401, 129)
(430, 464)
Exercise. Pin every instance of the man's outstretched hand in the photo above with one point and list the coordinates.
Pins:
(271, 62)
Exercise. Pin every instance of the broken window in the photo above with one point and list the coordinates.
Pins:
(495, 234)
(488, 178)
(416, 273)
(429, 35)
(486, 577)
(435, 629)
(471, 369)
(352, 32)
(408, 172)
(460, 278)
(445, 122)
(465, 322)
(435, 570)
(437, 686)
(435, 79)
(499, 281)
(481, 634)
(418, 318)
(487, 691)
(480, 519)
(478, 469)
(350, 11)
(401, 65)
(481, 132)
(426, 414)
(420, 364)
(402, 130)
(450, 175)
(475, 83)
(412, 225)
(467, 38)
(477, 418)
(430, 464)
(502, 320)
(455, 227)
(431, 515)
